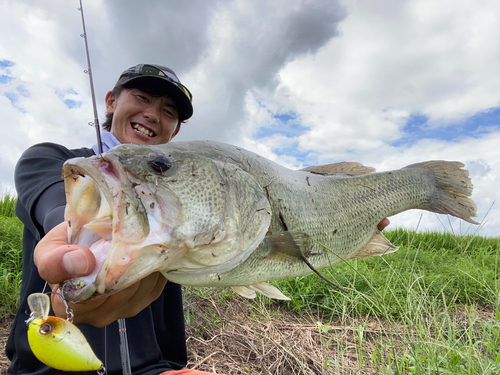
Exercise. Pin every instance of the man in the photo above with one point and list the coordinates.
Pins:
(147, 107)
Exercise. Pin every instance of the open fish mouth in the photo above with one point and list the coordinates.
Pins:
(90, 224)
(89, 213)
(100, 217)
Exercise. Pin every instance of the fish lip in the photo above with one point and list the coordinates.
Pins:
(78, 168)
(107, 175)
(71, 291)
(76, 289)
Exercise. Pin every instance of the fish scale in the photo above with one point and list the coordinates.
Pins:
(225, 216)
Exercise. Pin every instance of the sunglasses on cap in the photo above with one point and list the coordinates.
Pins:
(149, 70)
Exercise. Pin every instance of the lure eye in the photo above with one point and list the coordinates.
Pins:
(159, 162)
(46, 329)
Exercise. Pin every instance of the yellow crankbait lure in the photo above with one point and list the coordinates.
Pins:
(57, 342)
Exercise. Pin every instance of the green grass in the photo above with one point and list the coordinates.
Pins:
(433, 292)
(11, 231)
(8, 206)
(427, 264)
(437, 300)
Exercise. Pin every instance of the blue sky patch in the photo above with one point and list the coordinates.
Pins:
(301, 157)
(22, 91)
(4, 79)
(13, 100)
(12, 97)
(417, 127)
(6, 63)
(72, 103)
(286, 124)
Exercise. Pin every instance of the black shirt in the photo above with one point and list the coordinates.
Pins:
(156, 336)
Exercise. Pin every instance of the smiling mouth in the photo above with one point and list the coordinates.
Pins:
(142, 130)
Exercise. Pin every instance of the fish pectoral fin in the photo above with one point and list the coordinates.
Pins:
(349, 168)
(288, 245)
(264, 288)
(295, 246)
(377, 245)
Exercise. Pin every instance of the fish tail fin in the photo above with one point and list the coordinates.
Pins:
(454, 188)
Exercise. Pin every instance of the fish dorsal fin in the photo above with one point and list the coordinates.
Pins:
(263, 288)
(349, 168)
(377, 245)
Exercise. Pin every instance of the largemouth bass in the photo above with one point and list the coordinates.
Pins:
(210, 214)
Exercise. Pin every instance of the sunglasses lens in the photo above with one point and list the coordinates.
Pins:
(149, 70)
(188, 94)
(152, 71)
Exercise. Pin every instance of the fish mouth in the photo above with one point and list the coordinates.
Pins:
(103, 214)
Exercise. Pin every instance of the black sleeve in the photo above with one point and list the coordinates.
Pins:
(49, 210)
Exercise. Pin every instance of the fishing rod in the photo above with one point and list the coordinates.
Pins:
(122, 328)
(89, 71)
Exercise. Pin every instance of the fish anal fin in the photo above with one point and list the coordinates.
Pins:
(377, 245)
(263, 288)
(349, 168)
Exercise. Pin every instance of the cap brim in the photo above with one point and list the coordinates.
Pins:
(184, 106)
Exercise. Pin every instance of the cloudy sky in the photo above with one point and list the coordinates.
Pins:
(386, 83)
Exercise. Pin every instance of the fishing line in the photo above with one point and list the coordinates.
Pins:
(121, 322)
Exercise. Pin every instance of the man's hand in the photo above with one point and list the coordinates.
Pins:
(58, 261)
(381, 226)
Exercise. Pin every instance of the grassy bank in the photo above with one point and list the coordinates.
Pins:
(435, 302)
(11, 231)
(431, 308)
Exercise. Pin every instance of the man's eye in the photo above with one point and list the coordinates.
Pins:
(142, 98)
(169, 113)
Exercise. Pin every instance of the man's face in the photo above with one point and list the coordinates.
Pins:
(142, 119)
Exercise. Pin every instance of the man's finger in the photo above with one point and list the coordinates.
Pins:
(58, 261)
(384, 223)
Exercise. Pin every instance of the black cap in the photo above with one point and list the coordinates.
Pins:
(161, 75)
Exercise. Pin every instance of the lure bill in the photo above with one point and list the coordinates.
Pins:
(57, 342)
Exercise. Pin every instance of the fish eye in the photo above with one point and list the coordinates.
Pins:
(45, 329)
(160, 162)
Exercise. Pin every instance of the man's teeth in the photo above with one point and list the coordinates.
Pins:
(142, 130)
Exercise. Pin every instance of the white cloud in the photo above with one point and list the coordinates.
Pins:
(351, 73)
(389, 64)
(397, 59)
(481, 158)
